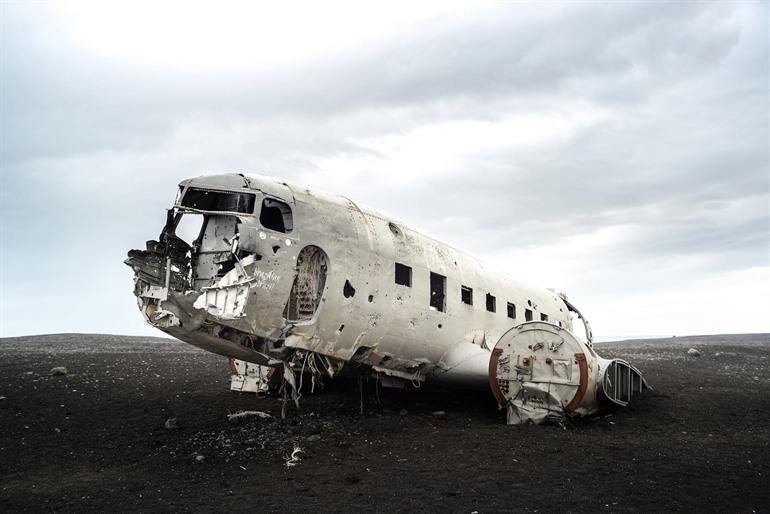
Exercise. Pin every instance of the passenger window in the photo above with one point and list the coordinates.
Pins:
(403, 275)
(543, 317)
(276, 215)
(466, 295)
(527, 314)
(511, 310)
(491, 303)
(438, 292)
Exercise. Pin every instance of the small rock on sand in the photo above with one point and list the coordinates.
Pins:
(58, 371)
(692, 352)
(171, 424)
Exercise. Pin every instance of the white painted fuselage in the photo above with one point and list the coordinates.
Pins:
(437, 316)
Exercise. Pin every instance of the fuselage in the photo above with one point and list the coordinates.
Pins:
(275, 268)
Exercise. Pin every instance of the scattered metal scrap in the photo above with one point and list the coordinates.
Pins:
(293, 459)
(248, 414)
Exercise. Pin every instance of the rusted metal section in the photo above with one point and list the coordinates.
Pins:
(580, 360)
(314, 285)
(493, 384)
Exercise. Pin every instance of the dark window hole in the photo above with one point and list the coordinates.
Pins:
(349, 291)
(276, 215)
(438, 292)
(403, 275)
(466, 295)
(491, 303)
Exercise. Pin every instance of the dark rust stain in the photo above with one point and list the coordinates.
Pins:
(580, 358)
(496, 392)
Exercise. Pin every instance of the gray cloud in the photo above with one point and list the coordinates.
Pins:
(591, 51)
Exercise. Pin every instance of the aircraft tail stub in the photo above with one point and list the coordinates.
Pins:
(541, 372)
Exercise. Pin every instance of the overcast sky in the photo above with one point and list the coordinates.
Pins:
(617, 151)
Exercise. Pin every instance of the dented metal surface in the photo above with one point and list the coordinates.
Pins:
(281, 276)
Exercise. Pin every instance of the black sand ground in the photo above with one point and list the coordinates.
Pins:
(95, 439)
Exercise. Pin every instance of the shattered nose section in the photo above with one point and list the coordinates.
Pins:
(209, 317)
(160, 267)
(541, 372)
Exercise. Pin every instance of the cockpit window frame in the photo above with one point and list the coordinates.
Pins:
(288, 222)
(184, 191)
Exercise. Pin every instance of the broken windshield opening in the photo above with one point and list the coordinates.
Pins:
(188, 229)
(217, 201)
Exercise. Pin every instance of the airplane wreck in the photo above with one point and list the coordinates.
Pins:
(293, 284)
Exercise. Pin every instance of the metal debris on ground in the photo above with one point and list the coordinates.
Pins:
(294, 459)
(248, 414)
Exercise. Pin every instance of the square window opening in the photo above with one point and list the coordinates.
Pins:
(466, 295)
(403, 275)
(491, 303)
(543, 317)
(438, 292)
(511, 308)
(528, 314)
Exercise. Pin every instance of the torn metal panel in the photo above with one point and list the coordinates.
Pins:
(271, 273)
(247, 377)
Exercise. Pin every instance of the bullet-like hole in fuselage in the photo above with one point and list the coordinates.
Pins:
(349, 291)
